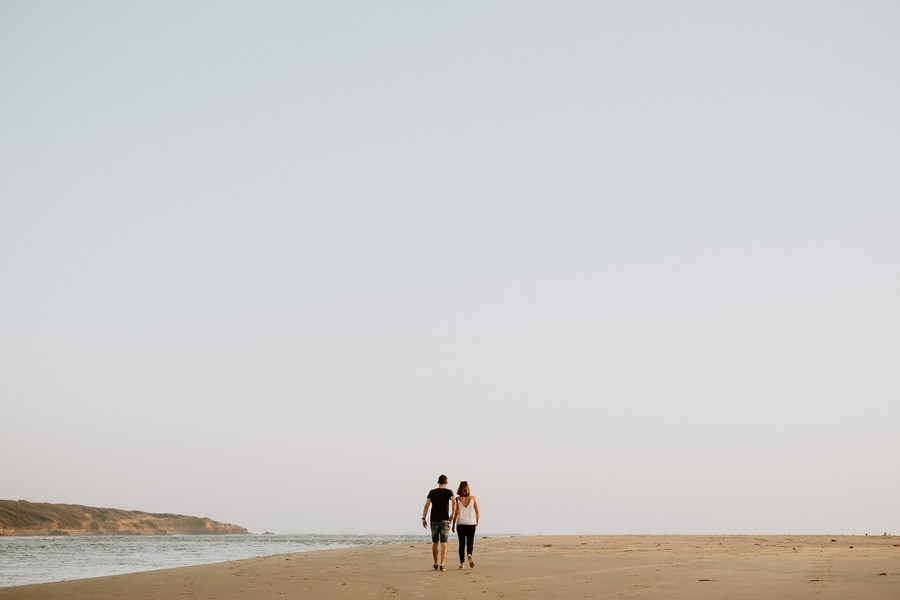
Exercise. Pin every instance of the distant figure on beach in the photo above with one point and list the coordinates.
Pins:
(465, 519)
(439, 499)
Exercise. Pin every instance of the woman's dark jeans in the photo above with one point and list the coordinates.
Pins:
(466, 534)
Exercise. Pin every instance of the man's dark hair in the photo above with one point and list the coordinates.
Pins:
(442, 480)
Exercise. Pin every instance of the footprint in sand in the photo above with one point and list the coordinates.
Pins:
(422, 588)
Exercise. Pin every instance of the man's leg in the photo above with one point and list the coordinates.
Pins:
(444, 547)
(435, 538)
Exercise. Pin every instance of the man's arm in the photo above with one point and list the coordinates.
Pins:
(425, 513)
(455, 514)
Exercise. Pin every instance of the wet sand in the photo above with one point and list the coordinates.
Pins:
(663, 567)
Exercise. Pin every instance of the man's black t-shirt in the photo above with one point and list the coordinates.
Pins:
(440, 503)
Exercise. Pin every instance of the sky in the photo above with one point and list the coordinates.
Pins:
(626, 267)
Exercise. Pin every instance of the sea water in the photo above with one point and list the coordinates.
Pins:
(42, 559)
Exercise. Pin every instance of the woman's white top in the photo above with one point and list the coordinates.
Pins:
(466, 514)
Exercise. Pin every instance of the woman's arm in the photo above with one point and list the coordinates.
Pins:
(477, 512)
(455, 514)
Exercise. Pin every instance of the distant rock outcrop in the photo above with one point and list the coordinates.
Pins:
(20, 517)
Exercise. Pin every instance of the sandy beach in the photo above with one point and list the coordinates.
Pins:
(668, 567)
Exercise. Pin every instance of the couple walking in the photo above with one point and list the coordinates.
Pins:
(463, 521)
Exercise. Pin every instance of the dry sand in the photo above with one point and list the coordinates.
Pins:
(670, 567)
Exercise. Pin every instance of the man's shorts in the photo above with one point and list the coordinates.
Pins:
(439, 531)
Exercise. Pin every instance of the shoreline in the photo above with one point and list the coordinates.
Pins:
(648, 566)
(30, 560)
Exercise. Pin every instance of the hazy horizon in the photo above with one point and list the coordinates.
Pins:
(624, 267)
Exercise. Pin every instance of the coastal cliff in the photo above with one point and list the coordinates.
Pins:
(20, 517)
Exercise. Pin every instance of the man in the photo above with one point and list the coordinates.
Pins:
(439, 499)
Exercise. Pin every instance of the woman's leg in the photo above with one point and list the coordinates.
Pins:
(466, 541)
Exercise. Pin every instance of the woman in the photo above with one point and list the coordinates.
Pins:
(465, 519)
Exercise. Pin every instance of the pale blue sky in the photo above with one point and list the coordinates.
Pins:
(626, 267)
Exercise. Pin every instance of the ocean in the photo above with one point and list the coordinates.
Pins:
(42, 559)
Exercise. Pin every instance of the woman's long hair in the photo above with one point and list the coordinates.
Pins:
(463, 489)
